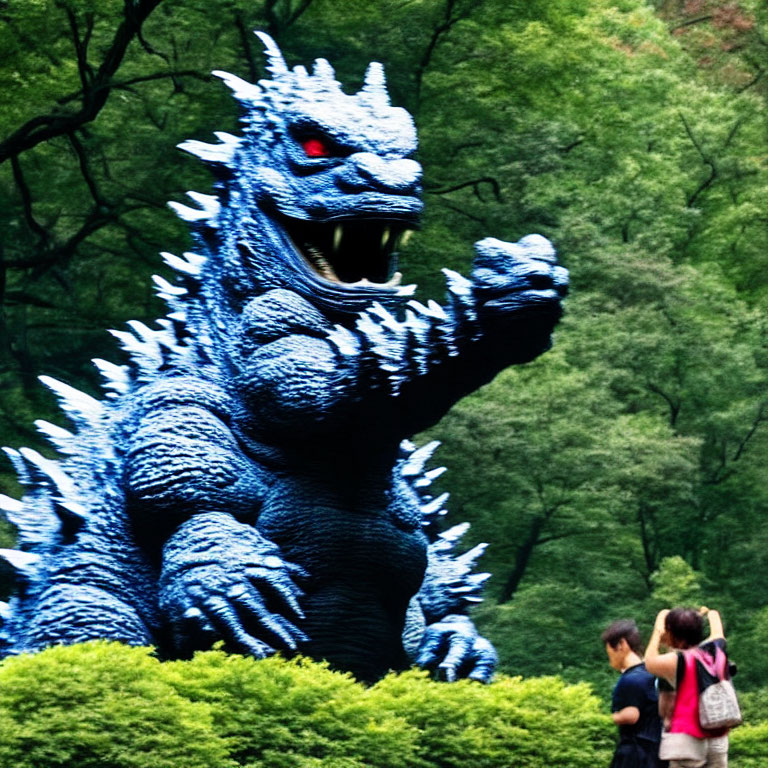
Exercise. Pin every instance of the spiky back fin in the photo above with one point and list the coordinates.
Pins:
(61, 439)
(83, 410)
(60, 497)
(34, 518)
(22, 564)
(149, 349)
(413, 465)
(457, 578)
(248, 94)
(217, 154)
(19, 465)
(189, 265)
(116, 377)
(433, 508)
(48, 472)
(208, 213)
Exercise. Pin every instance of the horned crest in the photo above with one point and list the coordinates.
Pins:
(286, 85)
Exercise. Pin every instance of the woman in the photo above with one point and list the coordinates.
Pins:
(683, 630)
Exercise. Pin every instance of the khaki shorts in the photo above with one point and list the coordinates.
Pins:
(716, 756)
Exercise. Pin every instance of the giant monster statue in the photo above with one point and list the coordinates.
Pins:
(248, 477)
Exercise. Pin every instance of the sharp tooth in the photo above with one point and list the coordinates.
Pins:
(395, 280)
(320, 264)
(385, 237)
(405, 237)
(337, 233)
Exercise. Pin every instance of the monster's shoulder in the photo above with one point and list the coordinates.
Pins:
(181, 391)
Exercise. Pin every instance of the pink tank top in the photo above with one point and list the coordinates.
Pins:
(685, 716)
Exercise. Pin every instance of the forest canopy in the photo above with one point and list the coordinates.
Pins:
(621, 472)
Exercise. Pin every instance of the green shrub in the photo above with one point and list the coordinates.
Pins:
(279, 714)
(107, 705)
(526, 723)
(749, 746)
(100, 705)
(754, 705)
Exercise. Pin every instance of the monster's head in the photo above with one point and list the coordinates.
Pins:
(321, 186)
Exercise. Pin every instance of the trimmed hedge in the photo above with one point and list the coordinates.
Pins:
(749, 746)
(107, 705)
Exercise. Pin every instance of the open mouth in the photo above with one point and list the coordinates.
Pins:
(359, 252)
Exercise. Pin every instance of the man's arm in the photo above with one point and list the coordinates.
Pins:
(626, 716)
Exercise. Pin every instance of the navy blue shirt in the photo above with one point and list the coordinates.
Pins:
(637, 688)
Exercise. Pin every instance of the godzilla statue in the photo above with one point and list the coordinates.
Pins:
(248, 477)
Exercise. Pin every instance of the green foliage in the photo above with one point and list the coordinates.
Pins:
(749, 640)
(748, 746)
(275, 714)
(108, 705)
(675, 583)
(100, 705)
(526, 723)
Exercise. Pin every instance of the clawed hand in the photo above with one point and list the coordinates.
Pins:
(453, 648)
(510, 277)
(242, 592)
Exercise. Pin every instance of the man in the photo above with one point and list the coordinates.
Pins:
(634, 704)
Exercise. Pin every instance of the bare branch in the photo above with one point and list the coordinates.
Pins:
(125, 84)
(26, 201)
(691, 22)
(705, 159)
(441, 29)
(464, 212)
(95, 94)
(674, 406)
(760, 417)
(294, 17)
(245, 39)
(81, 46)
(475, 184)
(85, 170)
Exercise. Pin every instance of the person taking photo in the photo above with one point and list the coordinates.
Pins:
(687, 744)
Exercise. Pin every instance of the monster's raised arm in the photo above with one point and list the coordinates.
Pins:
(430, 355)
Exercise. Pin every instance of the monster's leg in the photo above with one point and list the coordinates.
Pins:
(75, 613)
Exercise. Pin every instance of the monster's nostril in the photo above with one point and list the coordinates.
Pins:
(539, 282)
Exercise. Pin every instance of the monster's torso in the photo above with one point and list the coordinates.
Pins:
(362, 543)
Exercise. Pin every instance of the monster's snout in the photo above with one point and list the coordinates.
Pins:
(365, 170)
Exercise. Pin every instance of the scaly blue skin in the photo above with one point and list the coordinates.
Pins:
(248, 478)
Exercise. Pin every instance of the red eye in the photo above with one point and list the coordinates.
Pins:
(316, 148)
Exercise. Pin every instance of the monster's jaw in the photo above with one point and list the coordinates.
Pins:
(350, 253)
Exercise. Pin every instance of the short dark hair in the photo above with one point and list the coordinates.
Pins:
(626, 629)
(685, 625)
